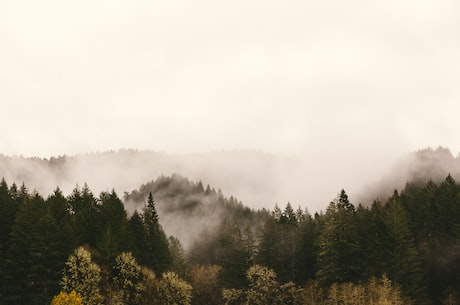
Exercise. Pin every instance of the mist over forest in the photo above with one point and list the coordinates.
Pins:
(267, 152)
(206, 182)
(179, 221)
(258, 179)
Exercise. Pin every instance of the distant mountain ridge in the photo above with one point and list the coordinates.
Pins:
(258, 179)
(186, 208)
(417, 167)
(252, 176)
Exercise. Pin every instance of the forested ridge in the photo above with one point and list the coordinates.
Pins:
(87, 249)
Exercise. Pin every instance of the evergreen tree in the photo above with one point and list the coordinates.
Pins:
(157, 254)
(405, 262)
(339, 251)
(112, 213)
(307, 250)
(7, 215)
(112, 229)
(268, 245)
(231, 255)
(178, 258)
(84, 209)
(249, 245)
(375, 240)
(137, 238)
(35, 255)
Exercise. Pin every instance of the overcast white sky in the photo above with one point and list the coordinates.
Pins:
(330, 79)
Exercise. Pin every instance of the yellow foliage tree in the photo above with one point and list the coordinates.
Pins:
(71, 298)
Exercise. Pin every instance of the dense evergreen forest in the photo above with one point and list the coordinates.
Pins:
(87, 249)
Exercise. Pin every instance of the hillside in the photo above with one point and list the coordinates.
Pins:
(187, 209)
(416, 167)
(256, 178)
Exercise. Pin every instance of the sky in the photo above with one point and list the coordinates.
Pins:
(345, 84)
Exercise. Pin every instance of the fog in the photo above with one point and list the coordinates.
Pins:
(259, 180)
(331, 92)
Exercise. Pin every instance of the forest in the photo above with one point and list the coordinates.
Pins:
(88, 249)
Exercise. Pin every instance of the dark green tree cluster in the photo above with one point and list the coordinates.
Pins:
(37, 235)
(390, 252)
(412, 238)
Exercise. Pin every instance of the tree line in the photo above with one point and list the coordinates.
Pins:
(87, 249)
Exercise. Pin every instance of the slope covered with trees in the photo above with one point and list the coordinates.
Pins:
(88, 249)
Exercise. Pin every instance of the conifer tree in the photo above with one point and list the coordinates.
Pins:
(35, 256)
(137, 237)
(179, 261)
(405, 262)
(338, 255)
(7, 215)
(157, 256)
(231, 255)
(84, 221)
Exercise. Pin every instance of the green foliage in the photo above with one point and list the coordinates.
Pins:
(174, 291)
(326, 259)
(282, 242)
(263, 288)
(206, 288)
(128, 279)
(404, 260)
(83, 276)
(157, 255)
(179, 261)
(136, 237)
(338, 255)
(84, 221)
(35, 254)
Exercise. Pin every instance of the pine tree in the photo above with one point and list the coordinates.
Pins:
(307, 250)
(137, 238)
(339, 250)
(84, 221)
(7, 216)
(157, 256)
(178, 258)
(231, 255)
(375, 240)
(112, 228)
(35, 255)
(405, 262)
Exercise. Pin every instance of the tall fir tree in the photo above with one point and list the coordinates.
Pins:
(35, 256)
(137, 237)
(157, 255)
(339, 250)
(404, 259)
(84, 221)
